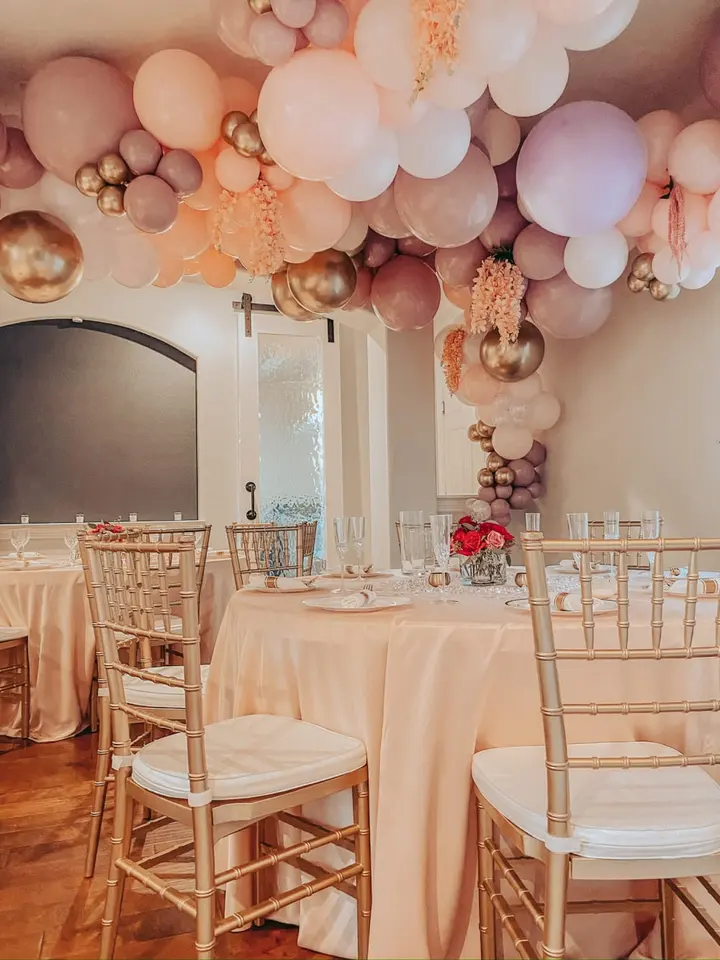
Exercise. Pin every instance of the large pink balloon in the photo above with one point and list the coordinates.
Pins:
(659, 129)
(539, 254)
(507, 223)
(458, 266)
(318, 113)
(405, 294)
(313, 217)
(383, 216)
(710, 65)
(582, 168)
(179, 99)
(564, 310)
(294, 13)
(74, 110)
(453, 209)
(20, 169)
(694, 159)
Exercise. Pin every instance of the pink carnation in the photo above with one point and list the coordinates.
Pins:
(495, 540)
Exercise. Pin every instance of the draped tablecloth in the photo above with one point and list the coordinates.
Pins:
(423, 687)
(51, 601)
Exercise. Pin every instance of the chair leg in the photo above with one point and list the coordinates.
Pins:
(204, 883)
(26, 691)
(667, 921)
(102, 769)
(556, 885)
(255, 832)
(361, 811)
(485, 875)
(119, 847)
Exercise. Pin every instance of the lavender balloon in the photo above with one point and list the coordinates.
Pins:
(537, 455)
(524, 472)
(582, 168)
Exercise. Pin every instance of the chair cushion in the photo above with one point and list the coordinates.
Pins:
(13, 633)
(145, 693)
(615, 813)
(252, 756)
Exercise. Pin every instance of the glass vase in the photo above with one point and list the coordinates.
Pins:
(484, 569)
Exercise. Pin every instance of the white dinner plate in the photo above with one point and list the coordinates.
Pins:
(559, 570)
(295, 588)
(601, 608)
(371, 575)
(334, 604)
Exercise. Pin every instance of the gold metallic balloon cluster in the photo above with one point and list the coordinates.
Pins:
(106, 180)
(642, 278)
(242, 133)
(515, 360)
(325, 282)
(496, 472)
(41, 259)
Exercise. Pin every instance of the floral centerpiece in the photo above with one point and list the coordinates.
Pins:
(106, 531)
(483, 547)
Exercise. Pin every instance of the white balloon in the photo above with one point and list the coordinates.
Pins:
(355, 233)
(511, 441)
(436, 144)
(601, 30)
(537, 81)
(597, 260)
(667, 269)
(543, 412)
(698, 279)
(454, 90)
(524, 389)
(384, 45)
(703, 252)
(493, 35)
(372, 172)
(501, 134)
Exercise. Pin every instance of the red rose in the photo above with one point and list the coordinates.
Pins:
(472, 542)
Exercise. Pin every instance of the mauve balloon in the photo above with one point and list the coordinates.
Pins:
(537, 454)
(524, 472)
(507, 179)
(487, 494)
(503, 492)
(414, 247)
(151, 204)
(536, 490)
(182, 171)
(405, 294)
(507, 223)
(458, 266)
(540, 255)
(19, 170)
(141, 151)
(378, 250)
(3, 140)
(521, 499)
(710, 65)
(565, 310)
(500, 511)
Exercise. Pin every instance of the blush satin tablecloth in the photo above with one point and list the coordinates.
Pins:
(424, 687)
(52, 603)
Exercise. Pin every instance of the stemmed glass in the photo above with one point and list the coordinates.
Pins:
(71, 542)
(19, 538)
(650, 530)
(578, 527)
(611, 531)
(356, 538)
(441, 530)
(341, 529)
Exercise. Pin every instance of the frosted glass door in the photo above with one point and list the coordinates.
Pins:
(290, 443)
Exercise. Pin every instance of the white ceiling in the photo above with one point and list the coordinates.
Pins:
(653, 64)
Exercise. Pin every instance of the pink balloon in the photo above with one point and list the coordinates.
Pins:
(666, 268)
(313, 217)
(278, 178)
(329, 26)
(477, 386)
(458, 266)
(650, 243)
(582, 168)
(487, 494)
(659, 130)
(373, 172)
(141, 151)
(76, 109)
(236, 173)
(639, 221)
(413, 247)
(506, 175)
(537, 454)
(179, 99)
(710, 65)
(405, 294)
(435, 144)
(313, 143)
(694, 159)
(459, 297)
(454, 209)
(524, 472)
(503, 492)
(566, 311)
(536, 82)
(3, 140)
(383, 43)
(539, 254)
(521, 499)
(501, 135)
(512, 442)
(151, 204)
(354, 237)
(19, 170)
(136, 262)
(507, 223)
(383, 215)
(571, 11)
(182, 171)
(294, 13)
(232, 22)
(378, 250)
(361, 296)
(272, 42)
(293, 255)
(536, 490)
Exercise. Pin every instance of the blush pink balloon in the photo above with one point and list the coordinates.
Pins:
(507, 223)
(136, 261)
(232, 22)
(405, 294)
(695, 211)
(361, 295)
(704, 252)
(293, 255)
(20, 169)
(694, 158)
(294, 13)
(565, 310)
(454, 209)
(383, 42)
(539, 254)
(459, 297)
(397, 110)
(378, 250)
(313, 217)
(536, 81)
(639, 221)
(383, 216)
(236, 173)
(436, 144)
(458, 266)
(477, 386)
(273, 43)
(373, 172)
(239, 94)
(313, 143)
(329, 25)
(413, 247)
(507, 180)
(278, 178)
(650, 243)
(659, 129)
(512, 442)
(571, 11)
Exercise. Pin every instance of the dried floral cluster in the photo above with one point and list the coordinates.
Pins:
(222, 215)
(267, 247)
(436, 26)
(452, 358)
(497, 295)
(676, 224)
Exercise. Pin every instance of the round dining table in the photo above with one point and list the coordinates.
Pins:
(424, 686)
(47, 595)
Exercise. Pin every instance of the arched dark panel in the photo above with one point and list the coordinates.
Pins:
(95, 419)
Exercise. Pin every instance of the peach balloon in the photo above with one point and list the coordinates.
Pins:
(659, 129)
(313, 217)
(208, 195)
(179, 99)
(278, 178)
(459, 296)
(239, 94)
(187, 237)
(293, 255)
(383, 40)
(694, 159)
(650, 243)
(171, 272)
(355, 233)
(191, 268)
(639, 220)
(477, 386)
(216, 269)
(397, 110)
(666, 268)
(696, 216)
(571, 11)
(237, 244)
(317, 113)
(236, 173)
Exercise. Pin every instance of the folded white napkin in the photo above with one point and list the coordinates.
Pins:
(707, 586)
(564, 602)
(260, 581)
(361, 599)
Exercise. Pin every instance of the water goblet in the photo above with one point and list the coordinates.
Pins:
(611, 531)
(341, 529)
(356, 539)
(650, 530)
(412, 542)
(19, 538)
(71, 542)
(441, 529)
(532, 522)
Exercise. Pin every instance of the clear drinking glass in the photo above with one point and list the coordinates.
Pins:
(341, 529)
(71, 542)
(19, 538)
(650, 530)
(177, 516)
(611, 531)
(79, 518)
(441, 529)
(132, 517)
(532, 522)
(412, 541)
(578, 527)
(356, 539)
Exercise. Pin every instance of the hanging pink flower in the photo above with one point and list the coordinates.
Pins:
(436, 26)
(497, 295)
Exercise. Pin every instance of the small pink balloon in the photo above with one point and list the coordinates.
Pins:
(521, 499)
(659, 130)
(413, 247)
(459, 297)
(507, 223)
(694, 158)
(487, 494)
(151, 204)
(512, 442)
(538, 253)
(19, 170)
(136, 262)
(272, 41)
(506, 178)
(329, 25)
(524, 472)
(182, 171)
(141, 151)
(378, 250)
(236, 173)
(383, 216)
(477, 386)
(537, 454)
(499, 509)
(278, 178)
(536, 490)
(458, 266)
(406, 294)
(503, 491)
(361, 296)
(565, 310)
(294, 13)
(639, 221)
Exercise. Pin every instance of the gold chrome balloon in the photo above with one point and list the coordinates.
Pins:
(659, 290)
(473, 435)
(246, 140)
(486, 444)
(265, 159)
(642, 266)
(41, 259)
(636, 284)
(484, 429)
(505, 476)
(260, 6)
(324, 282)
(231, 120)
(486, 478)
(285, 301)
(515, 361)
(253, 118)
(495, 461)
(88, 180)
(111, 201)
(113, 169)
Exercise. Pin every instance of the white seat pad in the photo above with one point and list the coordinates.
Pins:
(251, 756)
(615, 813)
(145, 693)
(13, 633)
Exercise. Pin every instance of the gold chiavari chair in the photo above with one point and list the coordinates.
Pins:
(284, 551)
(629, 530)
(600, 811)
(215, 779)
(17, 675)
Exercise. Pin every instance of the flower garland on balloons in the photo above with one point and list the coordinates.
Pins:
(436, 26)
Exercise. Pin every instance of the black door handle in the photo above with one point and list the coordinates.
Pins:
(251, 488)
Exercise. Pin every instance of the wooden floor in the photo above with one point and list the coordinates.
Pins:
(47, 908)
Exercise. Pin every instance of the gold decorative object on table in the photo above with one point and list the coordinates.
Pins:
(438, 579)
(285, 301)
(41, 259)
(324, 282)
(88, 180)
(513, 360)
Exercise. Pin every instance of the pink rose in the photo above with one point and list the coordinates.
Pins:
(495, 540)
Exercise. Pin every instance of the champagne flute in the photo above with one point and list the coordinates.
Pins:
(611, 531)
(341, 529)
(441, 529)
(356, 538)
(650, 530)
(578, 527)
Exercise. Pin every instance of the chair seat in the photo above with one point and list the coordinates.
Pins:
(12, 633)
(252, 756)
(619, 814)
(145, 693)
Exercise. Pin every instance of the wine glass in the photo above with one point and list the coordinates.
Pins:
(356, 539)
(578, 527)
(341, 529)
(441, 529)
(19, 538)
(611, 531)
(71, 542)
(650, 530)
